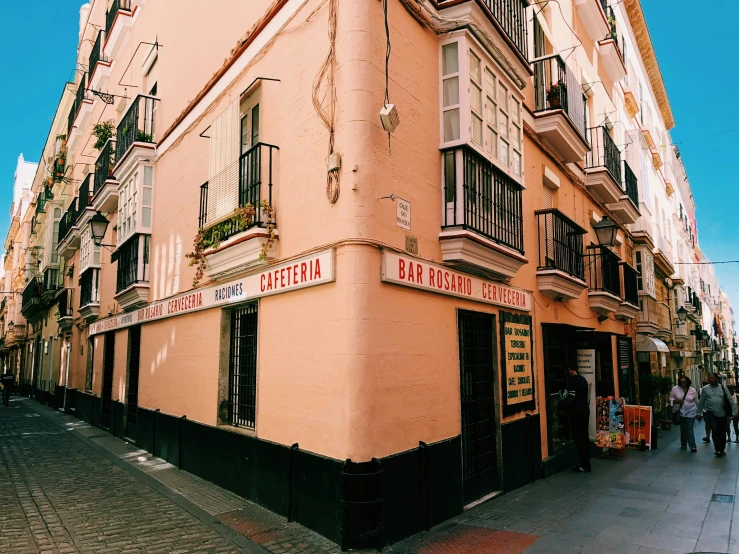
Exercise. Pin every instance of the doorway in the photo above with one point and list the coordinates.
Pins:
(559, 353)
(626, 385)
(134, 357)
(106, 396)
(477, 394)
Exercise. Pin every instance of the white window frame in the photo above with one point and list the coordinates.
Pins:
(502, 110)
(135, 200)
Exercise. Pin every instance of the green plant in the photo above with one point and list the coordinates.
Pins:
(143, 137)
(211, 237)
(102, 132)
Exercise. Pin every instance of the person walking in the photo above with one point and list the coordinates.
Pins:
(7, 381)
(579, 403)
(735, 396)
(684, 400)
(707, 438)
(718, 404)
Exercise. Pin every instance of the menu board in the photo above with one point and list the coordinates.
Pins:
(517, 365)
(610, 432)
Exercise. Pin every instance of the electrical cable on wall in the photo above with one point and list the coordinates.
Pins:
(327, 73)
(387, 66)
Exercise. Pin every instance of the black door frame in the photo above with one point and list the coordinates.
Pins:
(486, 479)
(132, 381)
(106, 391)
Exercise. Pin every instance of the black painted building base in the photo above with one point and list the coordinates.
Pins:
(367, 504)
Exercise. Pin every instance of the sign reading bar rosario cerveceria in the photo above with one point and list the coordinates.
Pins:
(412, 272)
(303, 272)
(515, 346)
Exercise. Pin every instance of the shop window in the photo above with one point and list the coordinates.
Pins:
(242, 368)
(90, 363)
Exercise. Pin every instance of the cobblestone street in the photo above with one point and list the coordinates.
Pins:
(68, 487)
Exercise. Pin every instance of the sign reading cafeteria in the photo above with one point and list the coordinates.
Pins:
(411, 272)
(308, 271)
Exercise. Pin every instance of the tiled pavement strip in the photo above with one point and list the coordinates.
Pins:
(65, 493)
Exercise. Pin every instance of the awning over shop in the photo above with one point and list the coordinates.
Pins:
(650, 344)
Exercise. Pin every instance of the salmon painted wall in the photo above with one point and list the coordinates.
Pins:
(179, 366)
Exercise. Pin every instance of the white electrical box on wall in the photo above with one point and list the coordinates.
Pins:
(390, 118)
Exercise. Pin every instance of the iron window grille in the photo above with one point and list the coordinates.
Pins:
(490, 200)
(604, 152)
(242, 369)
(115, 7)
(556, 87)
(603, 272)
(133, 262)
(89, 282)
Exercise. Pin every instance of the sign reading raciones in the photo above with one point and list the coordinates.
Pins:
(308, 271)
(412, 272)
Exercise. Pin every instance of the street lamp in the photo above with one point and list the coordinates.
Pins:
(98, 226)
(605, 230)
(682, 313)
(11, 326)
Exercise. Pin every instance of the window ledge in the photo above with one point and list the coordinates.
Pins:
(238, 430)
(240, 253)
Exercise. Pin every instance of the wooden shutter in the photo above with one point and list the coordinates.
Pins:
(223, 173)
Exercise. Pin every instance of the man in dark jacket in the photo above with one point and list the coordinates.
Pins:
(579, 403)
(7, 380)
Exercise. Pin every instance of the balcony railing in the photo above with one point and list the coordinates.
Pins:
(604, 152)
(115, 7)
(104, 166)
(69, 218)
(560, 243)
(491, 201)
(631, 287)
(95, 54)
(132, 267)
(556, 87)
(603, 273)
(51, 279)
(255, 187)
(85, 194)
(31, 295)
(136, 126)
(613, 32)
(79, 97)
(43, 197)
(65, 305)
(511, 15)
(631, 184)
(89, 287)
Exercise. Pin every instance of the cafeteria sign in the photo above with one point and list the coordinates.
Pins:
(515, 346)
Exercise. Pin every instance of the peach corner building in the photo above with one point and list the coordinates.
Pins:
(335, 256)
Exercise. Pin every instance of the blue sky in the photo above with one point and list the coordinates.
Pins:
(38, 41)
(693, 48)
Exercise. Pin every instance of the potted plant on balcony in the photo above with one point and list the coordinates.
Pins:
(554, 96)
(102, 132)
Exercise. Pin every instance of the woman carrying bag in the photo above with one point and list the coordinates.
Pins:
(684, 400)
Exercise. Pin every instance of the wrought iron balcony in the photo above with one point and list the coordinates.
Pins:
(104, 166)
(133, 265)
(136, 126)
(43, 197)
(95, 54)
(115, 7)
(613, 33)
(631, 287)
(604, 152)
(255, 187)
(31, 297)
(603, 274)
(51, 281)
(69, 218)
(556, 87)
(65, 306)
(79, 97)
(89, 287)
(491, 202)
(631, 184)
(560, 243)
(510, 15)
(85, 195)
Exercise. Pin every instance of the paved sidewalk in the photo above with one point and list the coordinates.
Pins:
(71, 487)
(651, 502)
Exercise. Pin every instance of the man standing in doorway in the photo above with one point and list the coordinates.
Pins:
(7, 380)
(579, 402)
(715, 399)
